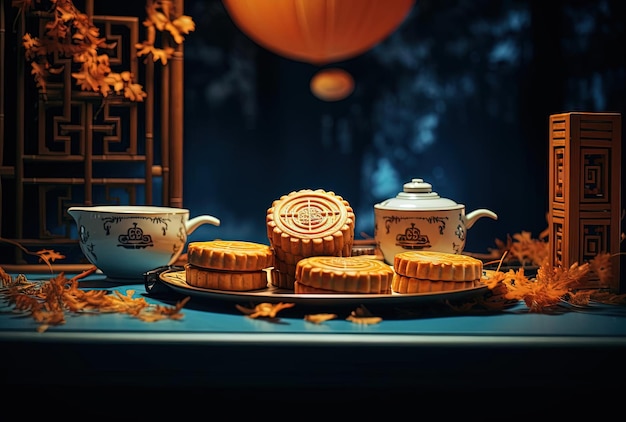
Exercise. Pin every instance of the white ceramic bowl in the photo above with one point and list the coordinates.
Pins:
(124, 241)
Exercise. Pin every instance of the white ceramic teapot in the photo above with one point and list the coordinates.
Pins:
(419, 219)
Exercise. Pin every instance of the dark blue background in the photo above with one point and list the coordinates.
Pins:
(459, 95)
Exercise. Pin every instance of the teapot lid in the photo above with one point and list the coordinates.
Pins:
(418, 195)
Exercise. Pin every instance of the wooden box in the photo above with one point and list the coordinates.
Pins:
(585, 190)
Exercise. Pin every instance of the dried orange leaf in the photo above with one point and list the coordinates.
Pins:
(364, 320)
(319, 318)
(362, 315)
(265, 309)
(184, 24)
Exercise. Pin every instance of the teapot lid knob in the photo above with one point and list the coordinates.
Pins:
(417, 195)
(418, 186)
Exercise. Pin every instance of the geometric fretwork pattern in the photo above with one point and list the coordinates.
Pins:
(559, 174)
(69, 147)
(584, 190)
(595, 174)
(557, 241)
(595, 238)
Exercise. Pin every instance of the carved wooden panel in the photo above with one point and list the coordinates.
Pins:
(71, 147)
(585, 189)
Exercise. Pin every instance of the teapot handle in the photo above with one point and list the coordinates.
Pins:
(192, 224)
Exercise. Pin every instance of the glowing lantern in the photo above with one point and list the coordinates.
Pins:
(318, 31)
(332, 84)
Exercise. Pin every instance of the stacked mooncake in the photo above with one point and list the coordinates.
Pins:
(307, 223)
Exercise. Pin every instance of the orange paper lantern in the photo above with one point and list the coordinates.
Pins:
(332, 84)
(318, 31)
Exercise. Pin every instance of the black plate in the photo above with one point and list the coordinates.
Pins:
(176, 280)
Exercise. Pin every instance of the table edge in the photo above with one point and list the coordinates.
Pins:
(295, 339)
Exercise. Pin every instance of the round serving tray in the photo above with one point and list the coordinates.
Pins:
(176, 280)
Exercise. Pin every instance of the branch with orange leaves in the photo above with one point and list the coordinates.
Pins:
(554, 285)
(48, 256)
(48, 302)
(163, 17)
(71, 33)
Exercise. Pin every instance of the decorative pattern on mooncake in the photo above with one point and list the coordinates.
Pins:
(308, 223)
(438, 266)
(344, 274)
(311, 222)
(232, 255)
(228, 265)
(403, 284)
(225, 280)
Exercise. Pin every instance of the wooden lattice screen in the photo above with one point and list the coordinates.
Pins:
(71, 147)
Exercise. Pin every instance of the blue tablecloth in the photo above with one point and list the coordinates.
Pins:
(216, 347)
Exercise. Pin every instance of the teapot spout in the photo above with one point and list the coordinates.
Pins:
(473, 216)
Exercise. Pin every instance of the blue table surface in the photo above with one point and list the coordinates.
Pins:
(215, 353)
(214, 320)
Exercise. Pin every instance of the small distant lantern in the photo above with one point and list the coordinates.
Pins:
(318, 31)
(332, 84)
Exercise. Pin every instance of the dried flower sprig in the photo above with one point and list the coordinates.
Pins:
(362, 315)
(47, 256)
(319, 318)
(49, 302)
(551, 286)
(522, 248)
(264, 310)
